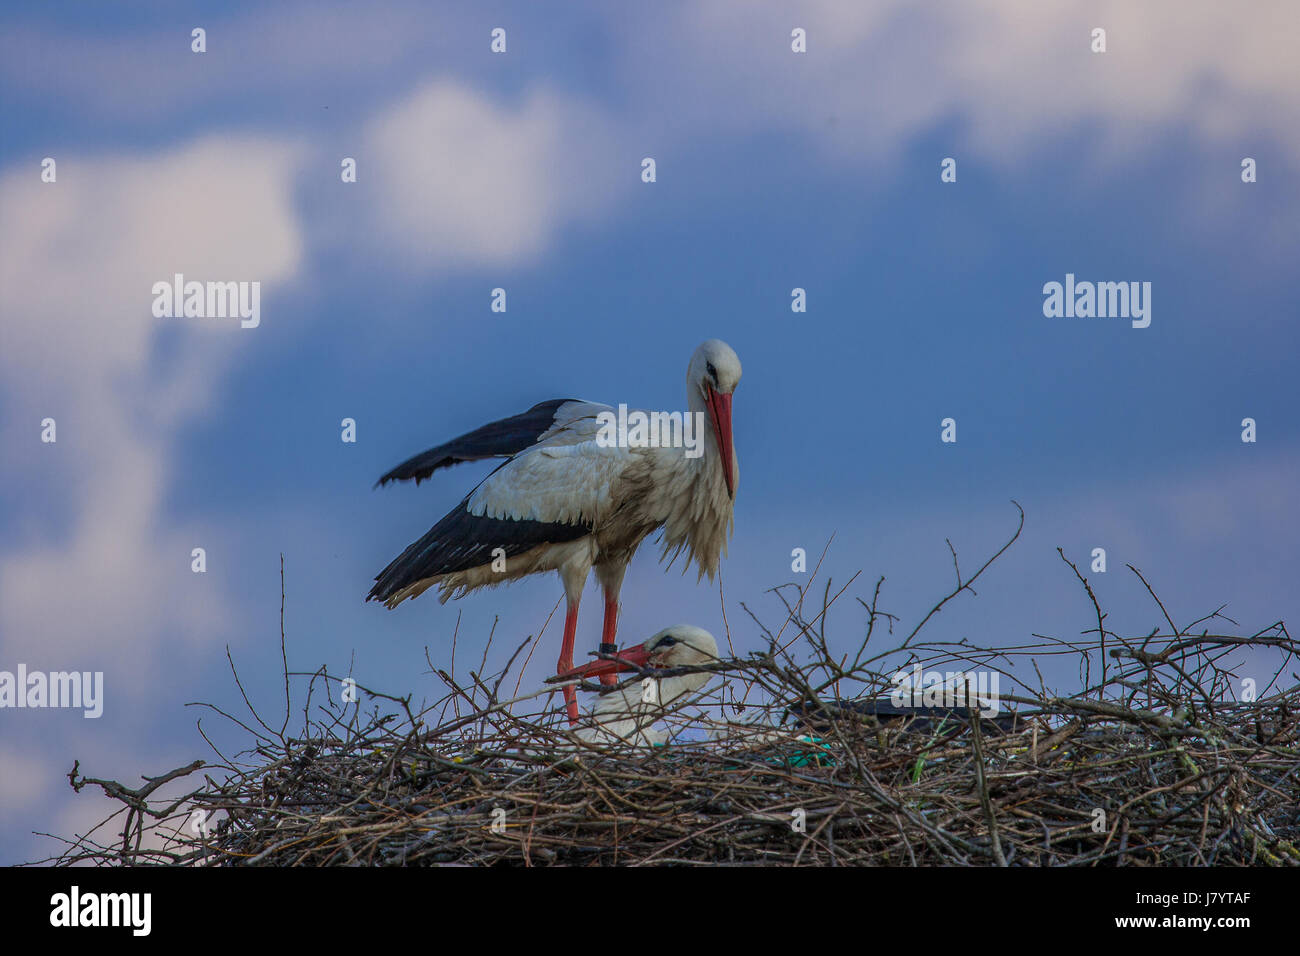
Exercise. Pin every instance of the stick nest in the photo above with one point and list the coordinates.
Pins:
(790, 756)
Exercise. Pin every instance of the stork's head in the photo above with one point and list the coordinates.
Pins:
(680, 646)
(715, 372)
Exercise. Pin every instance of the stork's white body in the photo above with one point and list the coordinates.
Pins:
(621, 494)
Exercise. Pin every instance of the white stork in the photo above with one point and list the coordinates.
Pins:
(565, 501)
(625, 715)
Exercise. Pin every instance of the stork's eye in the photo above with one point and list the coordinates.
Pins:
(667, 641)
(713, 372)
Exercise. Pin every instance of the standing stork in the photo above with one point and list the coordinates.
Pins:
(565, 500)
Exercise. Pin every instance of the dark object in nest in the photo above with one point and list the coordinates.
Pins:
(917, 720)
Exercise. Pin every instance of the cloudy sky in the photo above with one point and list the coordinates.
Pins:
(522, 170)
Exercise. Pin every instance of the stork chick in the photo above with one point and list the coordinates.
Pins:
(624, 715)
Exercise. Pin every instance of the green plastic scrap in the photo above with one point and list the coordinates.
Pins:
(819, 757)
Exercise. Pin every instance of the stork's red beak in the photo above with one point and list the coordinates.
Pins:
(720, 410)
(628, 659)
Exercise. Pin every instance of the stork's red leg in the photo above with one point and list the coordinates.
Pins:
(566, 660)
(607, 635)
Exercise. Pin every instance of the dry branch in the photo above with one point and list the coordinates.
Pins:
(1158, 764)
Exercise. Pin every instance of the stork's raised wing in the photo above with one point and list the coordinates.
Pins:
(499, 439)
(551, 492)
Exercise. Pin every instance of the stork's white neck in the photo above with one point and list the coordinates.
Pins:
(688, 496)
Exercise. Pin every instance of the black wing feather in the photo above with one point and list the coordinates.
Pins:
(461, 541)
(499, 439)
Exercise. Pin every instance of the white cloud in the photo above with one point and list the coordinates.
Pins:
(97, 576)
(287, 54)
(87, 577)
(1016, 72)
(464, 180)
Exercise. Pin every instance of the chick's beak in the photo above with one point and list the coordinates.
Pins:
(628, 659)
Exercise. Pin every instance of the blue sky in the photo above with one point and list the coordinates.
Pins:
(775, 170)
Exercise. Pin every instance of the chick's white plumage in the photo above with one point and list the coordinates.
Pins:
(625, 715)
